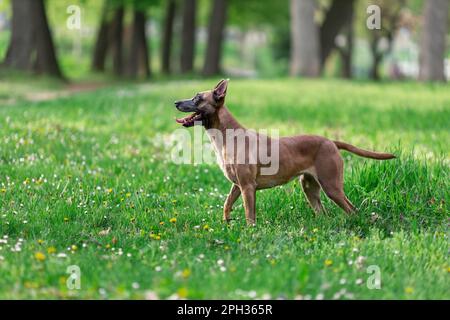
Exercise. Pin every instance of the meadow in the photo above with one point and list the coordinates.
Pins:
(87, 180)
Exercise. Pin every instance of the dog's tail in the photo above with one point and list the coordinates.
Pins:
(363, 153)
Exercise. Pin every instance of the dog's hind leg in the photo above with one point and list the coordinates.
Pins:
(336, 193)
(311, 188)
(234, 194)
(330, 173)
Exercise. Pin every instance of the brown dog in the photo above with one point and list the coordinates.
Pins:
(316, 160)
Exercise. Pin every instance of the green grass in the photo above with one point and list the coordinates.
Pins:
(76, 166)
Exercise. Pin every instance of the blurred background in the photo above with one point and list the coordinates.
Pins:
(96, 40)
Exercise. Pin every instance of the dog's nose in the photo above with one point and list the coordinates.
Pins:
(177, 103)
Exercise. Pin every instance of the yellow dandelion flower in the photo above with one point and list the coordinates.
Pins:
(30, 285)
(161, 223)
(328, 262)
(62, 281)
(74, 248)
(182, 292)
(128, 194)
(186, 273)
(448, 269)
(51, 250)
(205, 227)
(40, 241)
(108, 246)
(173, 220)
(39, 256)
(3, 190)
(157, 237)
(66, 219)
(109, 190)
(409, 290)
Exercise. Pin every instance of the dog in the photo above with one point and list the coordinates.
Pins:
(315, 160)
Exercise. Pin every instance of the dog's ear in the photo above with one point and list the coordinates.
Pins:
(220, 91)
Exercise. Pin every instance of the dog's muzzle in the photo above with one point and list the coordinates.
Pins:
(186, 106)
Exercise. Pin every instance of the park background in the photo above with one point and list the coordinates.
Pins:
(86, 117)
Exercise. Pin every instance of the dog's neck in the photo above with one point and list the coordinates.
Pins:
(222, 120)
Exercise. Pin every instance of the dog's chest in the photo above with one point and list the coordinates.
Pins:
(221, 156)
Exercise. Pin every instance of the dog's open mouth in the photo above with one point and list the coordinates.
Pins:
(190, 119)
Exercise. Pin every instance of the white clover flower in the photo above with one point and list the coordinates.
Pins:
(135, 285)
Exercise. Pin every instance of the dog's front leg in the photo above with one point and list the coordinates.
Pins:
(235, 192)
(249, 196)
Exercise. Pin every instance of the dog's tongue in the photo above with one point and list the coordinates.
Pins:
(183, 120)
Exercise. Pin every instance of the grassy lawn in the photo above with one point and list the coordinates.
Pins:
(87, 180)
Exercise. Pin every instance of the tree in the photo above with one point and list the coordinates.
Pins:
(115, 39)
(128, 50)
(138, 57)
(188, 36)
(305, 47)
(338, 17)
(432, 45)
(109, 38)
(101, 44)
(31, 46)
(380, 40)
(166, 52)
(344, 45)
(216, 28)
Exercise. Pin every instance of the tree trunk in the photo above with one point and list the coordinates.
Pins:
(432, 49)
(377, 57)
(31, 47)
(168, 36)
(115, 40)
(138, 60)
(101, 44)
(45, 58)
(21, 44)
(346, 52)
(188, 36)
(216, 28)
(339, 14)
(305, 53)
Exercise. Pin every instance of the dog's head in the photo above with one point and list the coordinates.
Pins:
(203, 105)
